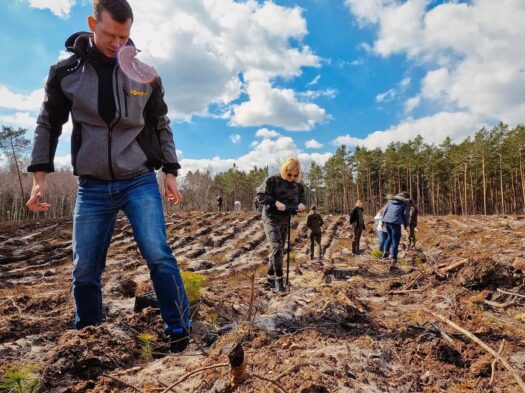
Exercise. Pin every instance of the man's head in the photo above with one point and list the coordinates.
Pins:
(359, 203)
(111, 24)
(313, 209)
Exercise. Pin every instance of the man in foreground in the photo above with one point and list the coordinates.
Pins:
(121, 133)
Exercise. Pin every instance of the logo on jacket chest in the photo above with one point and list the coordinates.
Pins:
(136, 93)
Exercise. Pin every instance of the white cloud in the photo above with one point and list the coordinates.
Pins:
(279, 107)
(314, 81)
(19, 119)
(313, 144)
(60, 8)
(392, 93)
(207, 45)
(473, 56)
(386, 96)
(21, 102)
(63, 162)
(412, 103)
(472, 52)
(235, 138)
(266, 153)
(266, 133)
(432, 128)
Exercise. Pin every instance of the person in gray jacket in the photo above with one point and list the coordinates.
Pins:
(395, 214)
(121, 133)
(280, 196)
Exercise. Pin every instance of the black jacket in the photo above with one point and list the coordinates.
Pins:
(356, 218)
(275, 188)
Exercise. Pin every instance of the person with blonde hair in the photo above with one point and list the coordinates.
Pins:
(280, 195)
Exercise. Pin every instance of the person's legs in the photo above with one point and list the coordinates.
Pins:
(396, 237)
(383, 241)
(358, 232)
(93, 223)
(380, 240)
(318, 241)
(142, 203)
(312, 240)
(388, 241)
(411, 237)
(273, 230)
(354, 241)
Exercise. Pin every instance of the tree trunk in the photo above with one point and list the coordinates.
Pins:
(484, 185)
(501, 184)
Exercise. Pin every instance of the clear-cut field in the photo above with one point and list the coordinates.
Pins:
(346, 325)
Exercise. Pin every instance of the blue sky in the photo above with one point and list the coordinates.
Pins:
(250, 82)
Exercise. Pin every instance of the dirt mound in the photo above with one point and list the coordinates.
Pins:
(486, 273)
(84, 354)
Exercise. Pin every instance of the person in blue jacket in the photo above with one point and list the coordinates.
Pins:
(396, 213)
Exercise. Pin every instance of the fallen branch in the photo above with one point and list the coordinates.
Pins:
(409, 285)
(510, 293)
(454, 266)
(185, 377)
(270, 380)
(252, 297)
(123, 383)
(502, 305)
(482, 345)
(401, 291)
(493, 365)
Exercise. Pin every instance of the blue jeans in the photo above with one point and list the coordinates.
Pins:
(381, 237)
(96, 208)
(394, 236)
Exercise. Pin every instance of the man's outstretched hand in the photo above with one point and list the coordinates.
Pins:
(38, 191)
(171, 189)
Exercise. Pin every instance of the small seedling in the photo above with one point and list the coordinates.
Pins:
(193, 284)
(146, 340)
(212, 320)
(21, 379)
(376, 253)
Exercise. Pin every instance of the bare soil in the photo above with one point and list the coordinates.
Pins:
(347, 324)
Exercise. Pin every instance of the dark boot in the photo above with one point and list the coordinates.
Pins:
(270, 283)
(279, 285)
(393, 266)
(385, 255)
(179, 341)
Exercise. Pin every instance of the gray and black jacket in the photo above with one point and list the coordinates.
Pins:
(275, 188)
(135, 137)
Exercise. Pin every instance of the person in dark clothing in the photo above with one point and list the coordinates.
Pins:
(357, 221)
(120, 134)
(277, 194)
(219, 203)
(314, 222)
(395, 214)
(412, 224)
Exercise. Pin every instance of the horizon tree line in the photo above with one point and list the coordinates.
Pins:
(483, 174)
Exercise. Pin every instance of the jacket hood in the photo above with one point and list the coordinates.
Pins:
(401, 197)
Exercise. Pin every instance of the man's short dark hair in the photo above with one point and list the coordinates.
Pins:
(120, 10)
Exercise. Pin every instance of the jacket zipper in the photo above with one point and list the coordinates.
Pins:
(110, 130)
(125, 100)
